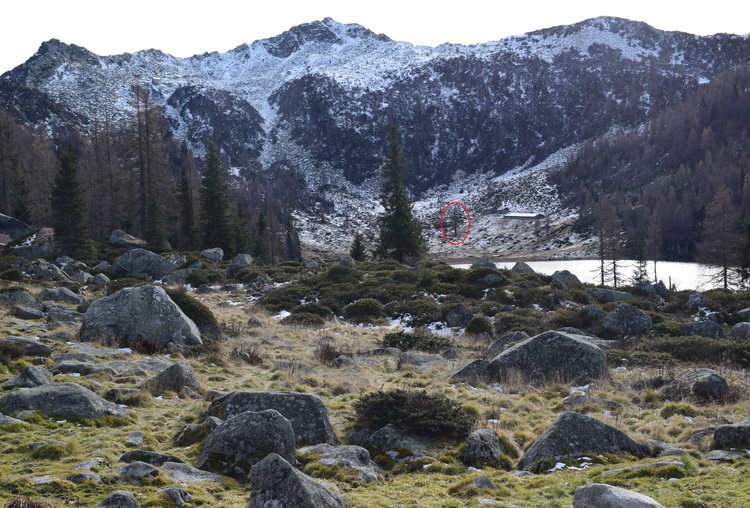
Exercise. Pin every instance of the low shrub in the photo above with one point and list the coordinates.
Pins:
(283, 298)
(417, 412)
(201, 315)
(420, 311)
(420, 340)
(303, 319)
(479, 325)
(678, 408)
(325, 350)
(12, 274)
(25, 502)
(313, 308)
(199, 277)
(365, 310)
(9, 353)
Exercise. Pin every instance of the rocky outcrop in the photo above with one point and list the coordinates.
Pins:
(64, 400)
(141, 313)
(306, 412)
(275, 482)
(550, 356)
(483, 447)
(575, 435)
(703, 384)
(144, 262)
(243, 440)
(627, 320)
(601, 495)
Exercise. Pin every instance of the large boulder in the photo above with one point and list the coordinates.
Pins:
(243, 440)
(458, 316)
(348, 456)
(473, 373)
(145, 313)
(484, 447)
(18, 296)
(120, 238)
(627, 320)
(704, 328)
(306, 412)
(521, 267)
(704, 384)
(177, 378)
(566, 278)
(64, 295)
(575, 435)
(733, 436)
(601, 495)
(603, 295)
(64, 400)
(552, 355)
(215, 254)
(29, 377)
(13, 228)
(145, 262)
(39, 245)
(30, 345)
(484, 262)
(504, 343)
(275, 482)
(741, 330)
(119, 499)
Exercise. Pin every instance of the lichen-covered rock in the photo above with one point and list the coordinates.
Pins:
(31, 345)
(153, 458)
(704, 328)
(733, 436)
(241, 441)
(64, 295)
(705, 384)
(627, 320)
(601, 495)
(119, 499)
(146, 313)
(215, 254)
(603, 295)
(741, 330)
(176, 378)
(552, 355)
(576, 435)
(65, 400)
(504, 343)
(483, 447)
(120, 238)
(29, 377)
(306, 412)
(473, 373)
(484, 262)
(521, 267)
(349, 456)
(567, 278)
(145, 262)
(18, 296)
(276, 483)
(137, 471)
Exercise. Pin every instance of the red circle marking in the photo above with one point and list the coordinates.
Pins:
(468, 219)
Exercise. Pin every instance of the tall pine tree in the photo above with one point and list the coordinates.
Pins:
(216, 223)
(400, 233)
(68, 206)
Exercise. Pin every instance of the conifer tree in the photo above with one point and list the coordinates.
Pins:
(68, 206)
(719, 237)
(260, 243)
(400, 233)
(239, 232)
(215, 221)
(357, 250)
(187, 212)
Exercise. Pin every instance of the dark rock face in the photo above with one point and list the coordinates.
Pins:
(483, 447)
(627, 320)
(472, 373)
(277, 483)
(30, 345)
(705, 384)
(521, 267)
(306, 412)
(18, 296)
(243, 440)
(575, 435)
(733, 436)
(570, 280)
(65, 400)
(176, 378)
(144, 312)
(601, 495)
(705, 328)
(145, 262)
(552, 355)
(482, 263)
(458, 316)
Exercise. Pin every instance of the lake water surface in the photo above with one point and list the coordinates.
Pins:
(683, 276)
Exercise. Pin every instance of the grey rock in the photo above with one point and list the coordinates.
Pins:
(144, 262)
(177, 277)
(661, 289)
(153, 458)
(552, 355)
(29, 377)
(483, 447)
(305, 411)
(18, 296)
(63, 315)
(119, 499)
(483, 263)
(576, 435)
(504, 343)
(492, 280)
(733, 436)
(601, 495)
(725, 455)
(394, 442)
(602, 295)
(646, 289)
(102, 266)
(482, 482)
(704, 384)
(82, 368)
(79, 478)
(277, 483)
(159, 319)
(215, 254)
(241, 441)
(14, 228)
(81, 277)
(75, 357)
(178, 496)
(176, 378)
(473, 373)
(238, 263)
(30, 345)
(100, 280)
(704, 328)
(458, 316)
(24, 312)
(575, 401)
(63, 295)
(65, 400)
(135, 438)
(627, 320)
(521, 267)
(137, 471)
(697, 301)
(741, 331)
(567, 278)
(7, 420)
(41, 245)
(348, 261)
(350, 456)
(310, 264)
(185, 473)
(120, 238)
